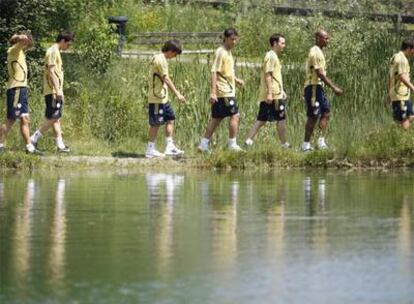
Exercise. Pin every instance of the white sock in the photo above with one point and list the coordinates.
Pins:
(36, 136)
(232, 141)
(169, 140)
(151, 145)
(306, 145)
(321, 140)
(249, 142)
(59, 143)
(204, 142)
(1, 145)
(30, 147)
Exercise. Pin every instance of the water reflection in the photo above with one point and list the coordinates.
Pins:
(405, 235)
(21, 236)
(316, 206)
(224, 224)
(56, 260)
(161, 192)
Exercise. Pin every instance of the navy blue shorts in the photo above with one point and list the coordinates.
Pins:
(402, 110)
(54, 108)
(316, 102)
(159, 114)
(224, 107)
(275, 111)
(17, 102)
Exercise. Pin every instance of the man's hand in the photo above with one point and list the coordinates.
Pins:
(337, 90)
(213, 98)
(181, 98)
(240, 82)
(59, 96)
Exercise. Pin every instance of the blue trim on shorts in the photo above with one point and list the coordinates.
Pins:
(16, 109)
(54, 109)
(159, 114)
(402, 110)
(321, 104)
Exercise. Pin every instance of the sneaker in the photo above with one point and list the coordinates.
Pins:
(153, 153)
(286, 145)
(2, 149)
(235, 148)
(203, 149)
(34, 152)
(248, 142)
(171, 149)
(322, 144)
(65, 149)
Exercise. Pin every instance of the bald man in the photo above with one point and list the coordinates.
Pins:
(317, 105)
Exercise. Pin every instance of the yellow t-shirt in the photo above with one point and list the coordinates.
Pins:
(158, 90)
(223, 65)
(316, 60)
(398, 65)
(271, 64)
(16, 67)
(52, 58)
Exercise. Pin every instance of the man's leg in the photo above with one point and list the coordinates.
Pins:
(310, 125)
(211, 127)
(406, 124)
(44, 127)
(323, 126)
(253, 131)
(24, 130)
(233, 129)
(281, 131)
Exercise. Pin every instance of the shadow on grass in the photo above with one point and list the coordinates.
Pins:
(123, 154)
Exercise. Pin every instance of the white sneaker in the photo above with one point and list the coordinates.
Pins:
(235, 148)
(306, 148)
(322, 144)
(171, 149)
(153, 153)
(203, 149)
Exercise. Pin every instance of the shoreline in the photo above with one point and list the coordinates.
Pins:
(223, 161)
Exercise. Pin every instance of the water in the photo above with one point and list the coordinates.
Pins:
(289, 237)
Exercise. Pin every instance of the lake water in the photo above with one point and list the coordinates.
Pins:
(209, 237)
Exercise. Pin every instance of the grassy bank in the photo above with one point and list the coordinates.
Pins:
(105, 114)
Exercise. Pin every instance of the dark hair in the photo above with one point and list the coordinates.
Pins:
(173, 46)
(228, 32)
(408, 43)
(275, 38)
(66, 36)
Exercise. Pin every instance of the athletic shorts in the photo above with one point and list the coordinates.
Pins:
(54, 108)
(402, 110)
(316, 102)
(275, 111)
(17, 102)
(160, 113)
(224, 107)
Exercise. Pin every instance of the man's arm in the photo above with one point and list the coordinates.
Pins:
(55, 82)
(405, 79)
(268, 78)
(322, 75)
(172, 87)
(213, 94)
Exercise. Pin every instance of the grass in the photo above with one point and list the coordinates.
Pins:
(106, 114)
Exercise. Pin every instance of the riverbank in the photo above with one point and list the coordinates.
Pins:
(260, 160)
